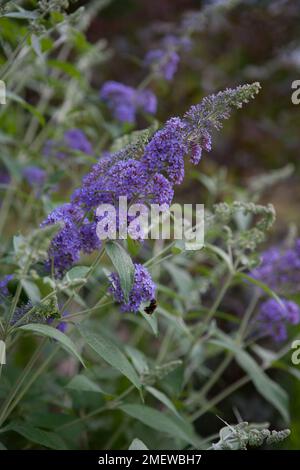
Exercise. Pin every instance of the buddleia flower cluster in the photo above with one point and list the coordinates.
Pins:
(125, 101)
(146, 177)
(163, 60)
(274, 317)
(73, 140)
(280, 270)
(4, 292)
(173, 40)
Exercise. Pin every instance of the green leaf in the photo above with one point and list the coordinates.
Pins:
(172, 377)
(138, 359)
(31, 290)
(178, 247)
(137, 444)
(133, 246)
(163, 399)
(110, 352)
(48, 420)
(269, 389)
(57, 16)
(78, 273)
(21, 15)
(152, 320)
(161, 422)
(50, 332)
(2, 447)
(44, 438)
(123, 264)
(82, 383)
(18, 242)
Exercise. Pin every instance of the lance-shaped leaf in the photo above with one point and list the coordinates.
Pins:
(110, 352)
(50, 332)
(123, 264)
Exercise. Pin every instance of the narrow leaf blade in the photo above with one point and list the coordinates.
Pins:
(110, 352)
(123, 264)
(50, 332)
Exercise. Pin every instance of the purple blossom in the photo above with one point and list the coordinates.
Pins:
(78, 235)
(74, 140)
(66, 245)
(4, 292)
(143, 176)
(163, 62)
(280, 269)
(127, 178)
(89, 240)
(160, 190)
(177, 42)
(215, 108)
(20, 311)
(35, 176)
(189, 135)
(62, 326)
(166, 151)
(146, 101)
(143, 289)
(124, 101)
(53, 148)
(107, 182)
(273, 317)
(77, 140)
(69, 213)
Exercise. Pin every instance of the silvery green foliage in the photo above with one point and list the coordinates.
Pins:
(243, 435)
(265, 181)
(34, 247)
(243, 227)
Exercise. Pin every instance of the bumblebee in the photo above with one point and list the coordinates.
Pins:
(151, 307)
